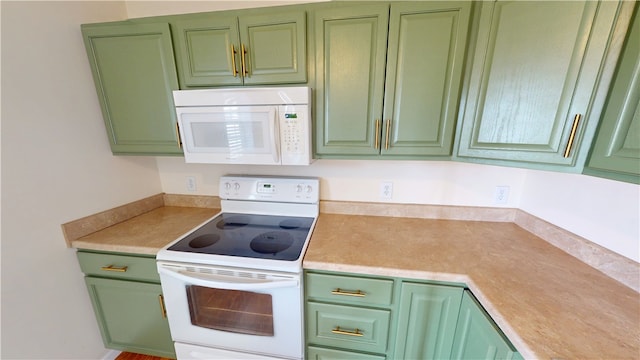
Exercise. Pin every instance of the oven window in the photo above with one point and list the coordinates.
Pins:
(231, 310)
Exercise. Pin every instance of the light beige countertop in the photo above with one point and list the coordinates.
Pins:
(143, 226)
(146, 233)
(550, 304)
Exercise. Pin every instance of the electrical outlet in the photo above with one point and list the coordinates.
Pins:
(386, 190)
(501, 195)
(191, 183)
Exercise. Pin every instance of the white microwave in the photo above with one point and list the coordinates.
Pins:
(262, 126)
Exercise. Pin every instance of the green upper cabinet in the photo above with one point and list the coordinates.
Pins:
(427, 319)
(535, 72)
(350, 45)
(477, 337)
(224, 49)
(134, 73)
(616, 151)
(400, 99)
(425, 58)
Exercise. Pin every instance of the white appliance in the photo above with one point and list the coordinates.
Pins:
(262, 126)
(233, 286)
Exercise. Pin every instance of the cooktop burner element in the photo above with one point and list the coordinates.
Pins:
(271, 242)
(204, 240)
(232, 222)
(249, 235)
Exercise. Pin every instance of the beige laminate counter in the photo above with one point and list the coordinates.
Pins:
(550, 304)
(146, 233)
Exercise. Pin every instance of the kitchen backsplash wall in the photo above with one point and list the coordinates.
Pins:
(413, 182)
(603, 211)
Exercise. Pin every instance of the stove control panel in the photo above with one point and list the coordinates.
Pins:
(270, 188)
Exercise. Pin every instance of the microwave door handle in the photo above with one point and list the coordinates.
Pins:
(212, 281)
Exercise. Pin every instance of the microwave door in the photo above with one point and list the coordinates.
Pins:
(230, 134)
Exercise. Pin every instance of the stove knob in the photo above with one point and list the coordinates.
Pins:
(309, 188)
(236, 186)
(299, 188)
(227, 186)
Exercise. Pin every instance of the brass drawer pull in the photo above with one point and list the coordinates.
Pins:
(377, 134)
(245, 66)
(178, 135)
(115, 268)
(572, 135)
(356, 332)
(357, 293)
(163, 310)
(386, 143)
(233, 61)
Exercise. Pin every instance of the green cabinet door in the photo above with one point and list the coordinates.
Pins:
(616, 151)
(241, 49)
(131, 316)
(276, 46)
(388, 78)
(134, 73)
(207, 51)
(425, 59)
(477, 337)
(427, 319)
(535, 70)
(350, 49)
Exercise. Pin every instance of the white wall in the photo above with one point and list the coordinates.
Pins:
(604, 211)
(56, 167)
(414, 182)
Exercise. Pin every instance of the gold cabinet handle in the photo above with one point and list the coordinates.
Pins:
(574, 128)
(115, 268)
(377, 134)
(178, 135)
(243, 53)
(355, 332)
(163, 310)
(233, 61)
(357, 293)
(386, 143)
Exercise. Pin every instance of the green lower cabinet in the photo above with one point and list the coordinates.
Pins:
(318, 353)
(130, 316)
(348, 327)
(354, 316)
(477, 337)
(127, 300)
(427, 319)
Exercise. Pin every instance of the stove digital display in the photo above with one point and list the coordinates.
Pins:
(248, 235)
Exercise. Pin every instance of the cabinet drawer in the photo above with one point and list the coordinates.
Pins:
(318, 353)
(119, 266)
(357, 290)
(348, 327)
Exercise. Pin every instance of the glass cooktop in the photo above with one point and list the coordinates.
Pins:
(247, 235)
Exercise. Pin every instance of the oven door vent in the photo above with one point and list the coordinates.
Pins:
(226, 272)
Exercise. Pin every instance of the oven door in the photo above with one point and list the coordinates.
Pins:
(243, 310)
(230, 134)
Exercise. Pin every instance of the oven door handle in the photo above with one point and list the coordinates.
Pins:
(220, 282)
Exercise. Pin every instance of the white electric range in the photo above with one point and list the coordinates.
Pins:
(233, 286)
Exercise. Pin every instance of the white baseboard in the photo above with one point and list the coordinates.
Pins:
(111, 355)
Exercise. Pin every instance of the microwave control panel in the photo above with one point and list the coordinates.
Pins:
(295, 135)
